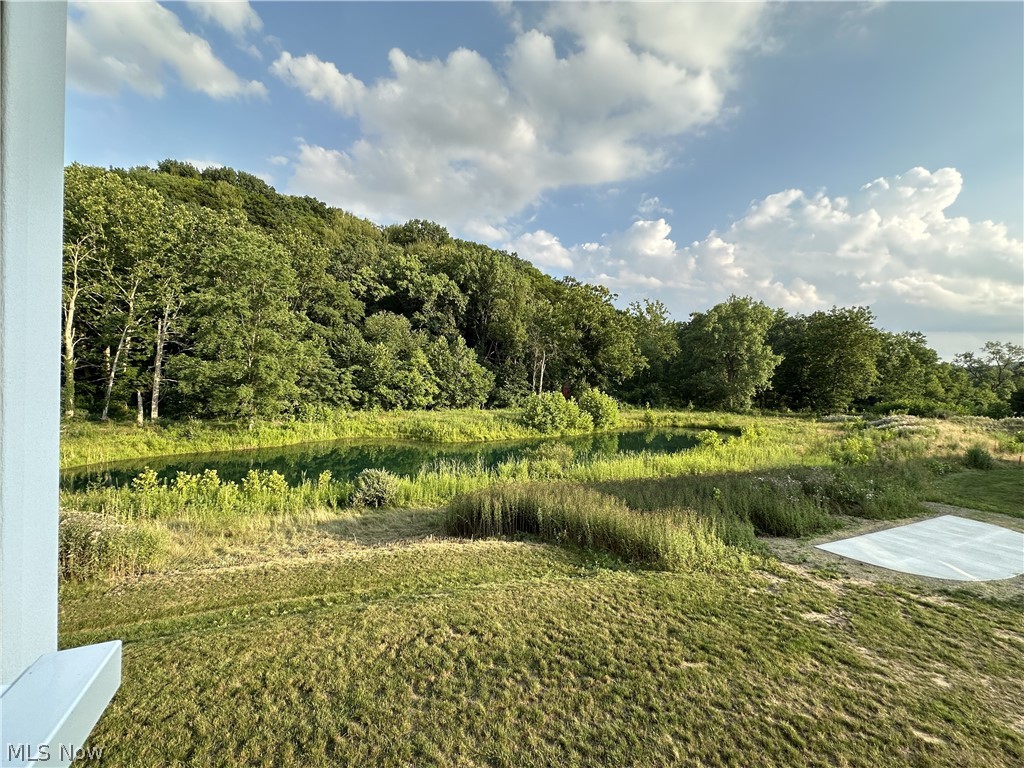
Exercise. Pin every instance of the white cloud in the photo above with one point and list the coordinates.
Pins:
(889, 245)
(320, 80)
(278, 160)
(116, 45)
(541, 248)
(202, 165)
(236, 16)
(650, 205)
(588, 97)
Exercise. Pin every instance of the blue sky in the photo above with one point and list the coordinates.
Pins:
(804, 154)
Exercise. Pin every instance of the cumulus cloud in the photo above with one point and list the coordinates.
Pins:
(890, 245)
(320, 80)
(115, 45)
(542, 249)
(236, 16)
(590, 95)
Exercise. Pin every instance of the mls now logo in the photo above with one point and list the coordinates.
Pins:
(43, 752)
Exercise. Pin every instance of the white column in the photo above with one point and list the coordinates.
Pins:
(49, 700)
(31, 217)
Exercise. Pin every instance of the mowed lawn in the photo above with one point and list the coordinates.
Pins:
(510, 653)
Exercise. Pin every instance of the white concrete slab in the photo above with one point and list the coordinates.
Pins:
(946, 547)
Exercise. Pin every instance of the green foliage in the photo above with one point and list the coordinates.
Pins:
(603, 409)
(550, 412)
(978, 457)
(94, 546)
(916, 407)
(248, 350)
(549, 460)
(393, 369)
(856, 449)
(738, 506)
(830, 359)
(205, 498)
(725, 359)
(207, 293)
(462, 381)
(571, 514)
(375, 488)
(708, 438)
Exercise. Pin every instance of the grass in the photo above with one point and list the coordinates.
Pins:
(90, 442)
(517, 654)
(998, 490)
(783, 443)
(295, 630)
(568, 513)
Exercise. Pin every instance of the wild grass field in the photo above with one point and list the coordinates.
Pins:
(624, 613)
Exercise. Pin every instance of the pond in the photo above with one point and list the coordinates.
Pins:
(347, 458)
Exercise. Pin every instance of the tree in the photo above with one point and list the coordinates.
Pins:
(725, 357)
(657, 338)
(461, 381)
(596, 342)
(85, 216)
(830, 358)
(393, 368)
(248, 352)
(114, 236)
(907, 369)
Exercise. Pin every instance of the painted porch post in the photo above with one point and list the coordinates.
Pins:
(49, 700)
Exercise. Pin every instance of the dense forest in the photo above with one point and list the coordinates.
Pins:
(208, 294)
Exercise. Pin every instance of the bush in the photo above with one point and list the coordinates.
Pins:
(92, 545)
(567, 513)
(551, 412)
(375, 488)
(978, 458)
(857, 449)
(708, 438)
(603, 409)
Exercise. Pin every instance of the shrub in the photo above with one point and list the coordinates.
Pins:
(551, 412)
(602, 408)
(93, 545)
(567, 513)
(978, 458)
(375, 488)
(708, 438)
(857, 449)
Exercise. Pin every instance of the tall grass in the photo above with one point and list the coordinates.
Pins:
(93, 443)
(93, 545)
(758, 447)
(206, 498)
(568, 513)
(795, 502)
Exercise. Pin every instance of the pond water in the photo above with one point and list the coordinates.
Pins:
(347, 458)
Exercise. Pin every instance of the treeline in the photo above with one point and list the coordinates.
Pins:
(209, 294)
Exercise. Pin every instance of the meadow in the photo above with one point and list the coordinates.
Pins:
(630, 611)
